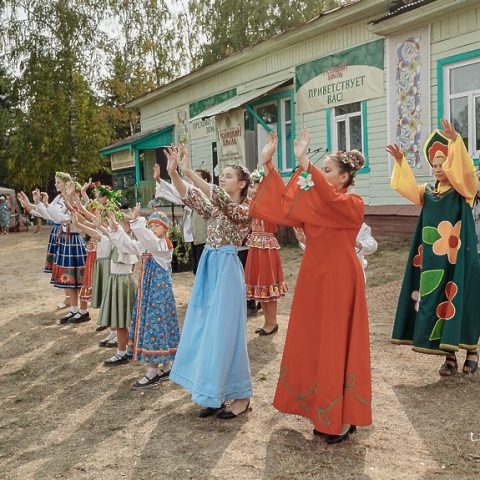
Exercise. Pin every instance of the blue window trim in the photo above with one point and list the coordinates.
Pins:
(270, 98)
(366, 167)
(440, 64)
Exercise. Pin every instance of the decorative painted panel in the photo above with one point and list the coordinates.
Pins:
(408, 80)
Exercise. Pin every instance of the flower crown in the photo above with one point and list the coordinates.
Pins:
(106, 191)
(110, 206)
(78, 187)
(238, 166)
(351, 160)
(120, 216)
(64, 176)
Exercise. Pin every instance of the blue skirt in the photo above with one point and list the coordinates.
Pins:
(212, 358)
(51, 248)
(69, 262)
(154, 331)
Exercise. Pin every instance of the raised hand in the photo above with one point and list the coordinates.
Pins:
(86, 186)
(156, 172)
(269, 148)
(36, 196)
(97, 219)
(300, 147)
(184, 161)
(172, 156)
(134, 212)
(448, 129)
(70, 190)
(112, 223)
(44, 196)
(395, 152)
(24, 201)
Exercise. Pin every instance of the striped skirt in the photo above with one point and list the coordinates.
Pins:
(69, 266)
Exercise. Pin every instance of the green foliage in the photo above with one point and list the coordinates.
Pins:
(181, 250)
(72, 65)
(230, 26)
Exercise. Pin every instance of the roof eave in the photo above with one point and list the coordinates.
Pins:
(433, 11)
(320, 25)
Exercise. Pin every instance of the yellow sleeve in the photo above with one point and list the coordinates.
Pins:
(404, 182)
(460, 170)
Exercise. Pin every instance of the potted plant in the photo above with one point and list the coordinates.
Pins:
(181, 250)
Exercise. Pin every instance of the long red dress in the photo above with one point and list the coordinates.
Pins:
(325, 370)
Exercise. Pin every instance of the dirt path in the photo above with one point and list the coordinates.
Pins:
(64, 415)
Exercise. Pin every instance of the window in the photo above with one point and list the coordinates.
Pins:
(347, 131)
(276, 111)
(462, 101)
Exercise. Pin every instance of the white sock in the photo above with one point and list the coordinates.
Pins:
(111, 336)
(74, 309)
(166, 367)
(152, 372)
(121, 353)
(83, 312)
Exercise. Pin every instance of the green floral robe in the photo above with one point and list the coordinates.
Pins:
(439, 305)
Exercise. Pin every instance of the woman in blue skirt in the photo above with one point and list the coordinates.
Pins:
(212, 359)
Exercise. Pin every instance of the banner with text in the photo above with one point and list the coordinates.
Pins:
(349, 76)
(122, 159)
(230, 137)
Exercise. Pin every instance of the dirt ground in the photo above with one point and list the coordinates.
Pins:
(65, 415)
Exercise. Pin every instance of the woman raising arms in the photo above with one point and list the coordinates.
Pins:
(325, 369)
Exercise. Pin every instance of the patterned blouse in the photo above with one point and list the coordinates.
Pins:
(228, 223)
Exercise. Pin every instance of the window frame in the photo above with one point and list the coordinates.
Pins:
(444, 66)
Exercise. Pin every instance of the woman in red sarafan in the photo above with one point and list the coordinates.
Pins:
(325, 371)
(263, 269)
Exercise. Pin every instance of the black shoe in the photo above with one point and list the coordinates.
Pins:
(108, 343)
(264, 332)
(226, 414)
(259, 306)
(152, 382)
(209, 411)
(100, 328)
(66, 318)
(331, 439)
(116, 360)
(252, 311)
(79, 318)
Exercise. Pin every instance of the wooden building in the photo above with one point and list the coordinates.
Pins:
(364, 75)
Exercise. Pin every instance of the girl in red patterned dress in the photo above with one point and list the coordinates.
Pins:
(263, 270)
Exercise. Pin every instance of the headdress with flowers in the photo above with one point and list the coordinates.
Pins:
(238, 166)
(106, 191)
(120, 216)
(78, 187)
(64, 176)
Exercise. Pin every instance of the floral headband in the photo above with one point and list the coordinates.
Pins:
(64, 176)
(238, 166)
(120, 216)
(349, 159)
(106, 191)
(78, 187)
(257, 176)
(110, 206)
